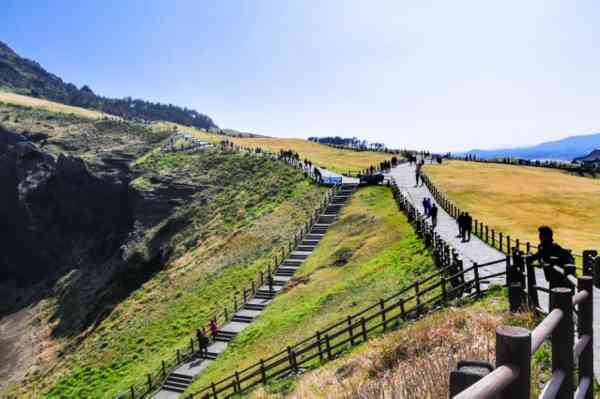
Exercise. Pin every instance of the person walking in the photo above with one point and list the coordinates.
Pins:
(425, 206)
(551, 254)
(468, 227)
(214, 328)
(202, 342)
(270, 282)
(460, 221)
(434, 214)
(417, 177)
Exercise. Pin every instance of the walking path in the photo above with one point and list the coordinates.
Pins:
(476, 250)
(179, 379)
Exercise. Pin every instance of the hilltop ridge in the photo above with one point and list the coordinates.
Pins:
(28, 77)
(561, 150)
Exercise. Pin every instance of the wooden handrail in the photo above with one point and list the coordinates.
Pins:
(492, 384)
(544, 329)
(558, 325)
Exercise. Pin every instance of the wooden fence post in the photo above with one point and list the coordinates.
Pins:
(487, 235)
(178, 356)
(363, 326)
(501, 241)
(383, 319)
(237, 387)
(328, 347)
(513, 347)
(476, 273)
(132, 391)
(444, 293)
(562, 341)
(585, 326)
(350, 330)
(318, 334)
(149, 382)
(417, 296)
(263, 373)
(515, 296)
(164, 369)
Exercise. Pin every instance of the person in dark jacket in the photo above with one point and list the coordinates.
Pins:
(202, 342)
(551, 254)
(467, 227)
(460, 221)
(433, 212)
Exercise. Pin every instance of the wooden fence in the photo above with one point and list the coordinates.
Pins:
(154, 380)
(572, 168)
(516, 346)
(451, 282)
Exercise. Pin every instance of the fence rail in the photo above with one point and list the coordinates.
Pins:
(568, 167)
(451, 282)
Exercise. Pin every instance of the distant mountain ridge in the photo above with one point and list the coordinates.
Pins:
(27, 77)
(565, 149)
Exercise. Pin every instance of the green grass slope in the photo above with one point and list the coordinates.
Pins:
(370, 252)
(243, 210)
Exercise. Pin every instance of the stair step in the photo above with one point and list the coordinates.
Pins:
(307, 248)
(285, 273)
(296, 262)
(262, 295)
(176, 384)
(179, 380)
(242, 319)
(252, 306)
(168, 387)
(314, 236)
(298, 255)
(181, 376)
(210, 356)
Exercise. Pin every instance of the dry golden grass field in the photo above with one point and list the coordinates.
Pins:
(26, 101)
(341, 161)
(518, 199)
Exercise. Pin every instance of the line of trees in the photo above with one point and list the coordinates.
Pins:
(352, 142)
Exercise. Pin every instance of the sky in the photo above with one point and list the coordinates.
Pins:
(436, 75)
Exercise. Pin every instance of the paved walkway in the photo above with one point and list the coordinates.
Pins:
(476, 250)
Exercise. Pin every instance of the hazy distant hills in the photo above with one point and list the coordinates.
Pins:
(27, 77)
(564, 150)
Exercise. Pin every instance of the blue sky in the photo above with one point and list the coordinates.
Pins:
(443, 75)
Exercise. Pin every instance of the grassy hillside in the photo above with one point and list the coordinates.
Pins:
(243, 210)
(414, 361)
(26, 101)
(518, 199)
(338, 160)
(370, 252)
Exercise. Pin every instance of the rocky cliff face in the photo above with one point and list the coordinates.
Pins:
(62, 223)
(56, 215)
